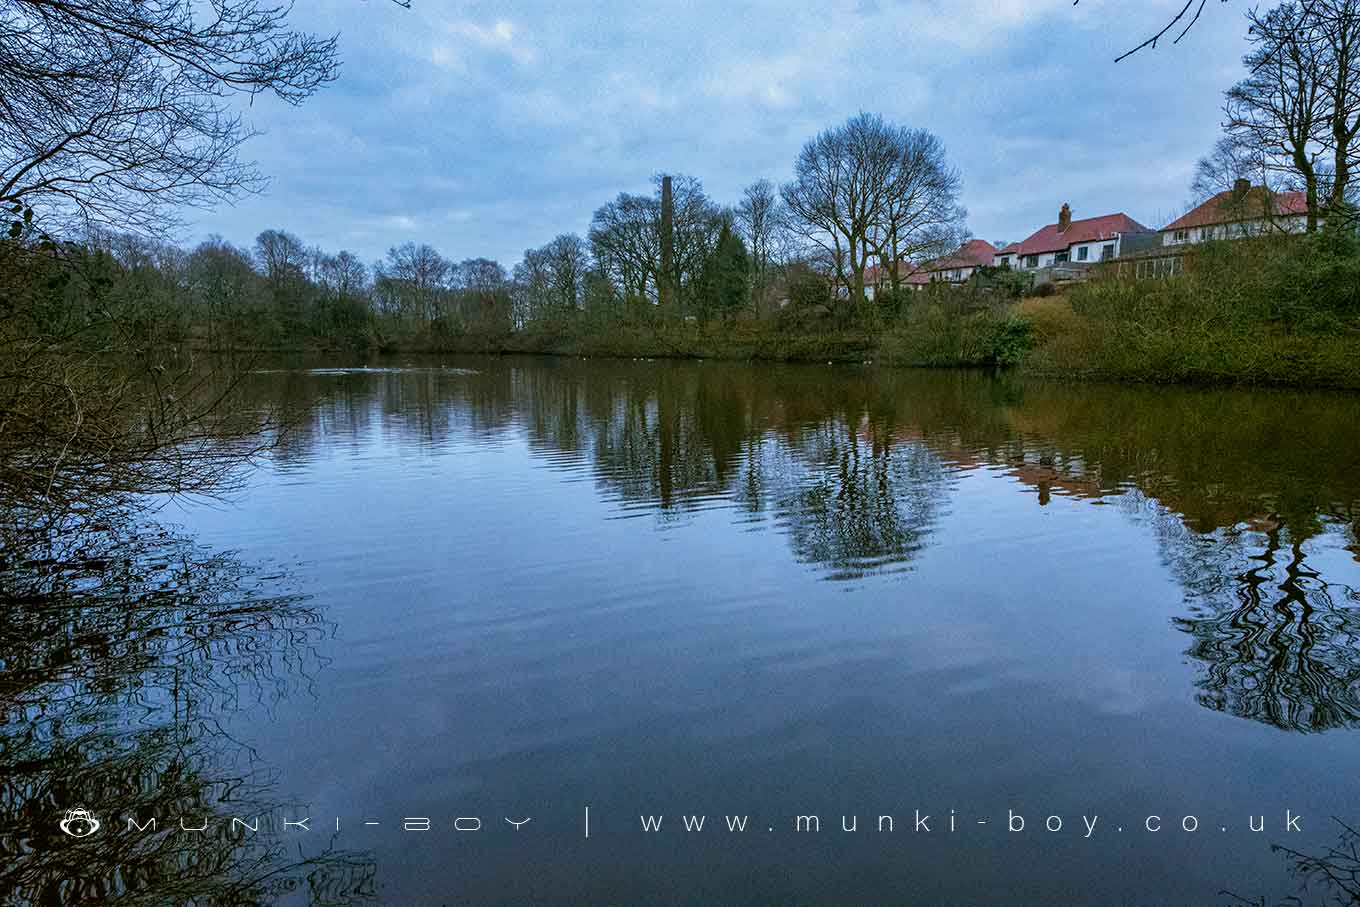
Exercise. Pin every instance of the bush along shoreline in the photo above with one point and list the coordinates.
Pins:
(1271, 311)
(1281, 311)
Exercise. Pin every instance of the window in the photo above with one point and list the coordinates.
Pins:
(1061, 256)
(1031, 261)
(1081, 253)
(1107, 252)
(1158, 267)
(1181, 236)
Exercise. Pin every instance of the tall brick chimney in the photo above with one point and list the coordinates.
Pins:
(1241, 187)
(1064, 217)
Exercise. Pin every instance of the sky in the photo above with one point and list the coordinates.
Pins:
(484, 129)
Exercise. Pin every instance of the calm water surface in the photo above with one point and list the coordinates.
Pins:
(517, 588)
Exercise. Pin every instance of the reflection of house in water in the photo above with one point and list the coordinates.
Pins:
(1045, 472)
(855, 467)
(1275, 641)
(1046, 478)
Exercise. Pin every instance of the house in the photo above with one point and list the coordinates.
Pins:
(1244, 210)
(877, 277)
(1090, 240)
(955, 268)
(959, 265)
(1009, 257)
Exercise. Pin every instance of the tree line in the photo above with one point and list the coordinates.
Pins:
(864, 193)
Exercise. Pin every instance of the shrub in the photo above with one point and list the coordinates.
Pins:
(1009, 339)
(1269, 310)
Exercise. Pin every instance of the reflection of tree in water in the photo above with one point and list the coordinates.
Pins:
(120, 650)
(854, 505)
(850, 497)
(853, 463)
(1327, 879)
(1277, 643)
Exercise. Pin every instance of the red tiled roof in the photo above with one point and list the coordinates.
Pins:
(1012, 249)
(877, 274)
(972, 254)
(1222, 209)
(1091, 229)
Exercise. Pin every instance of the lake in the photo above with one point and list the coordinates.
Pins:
(471, 599)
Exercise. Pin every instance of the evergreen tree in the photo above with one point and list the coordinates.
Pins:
(726, 280)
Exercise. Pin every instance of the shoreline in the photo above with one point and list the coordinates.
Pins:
(841, 350)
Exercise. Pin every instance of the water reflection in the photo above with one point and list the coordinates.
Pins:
(551, 561)
(1278, 643)
(856, 468)
(1330, 877)
(124, 651)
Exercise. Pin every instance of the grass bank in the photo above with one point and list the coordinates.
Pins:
(1262, 312)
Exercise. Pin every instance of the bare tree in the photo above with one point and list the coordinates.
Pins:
(625, 239)
(1221, 169)
(1278, 110)
(698, 222)
(342, 276)
(115, 111)
(568, 262)
(921, 216)
(483, 292)
(112, 113)
(838, 193)
(866, 189)
(530, 291)
(760, 217)
(1179, 24)
(282, 256)
(415, 278)
(666, 289)
(1336, 28)
(226, 289)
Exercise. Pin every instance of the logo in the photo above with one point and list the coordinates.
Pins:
(79, 823)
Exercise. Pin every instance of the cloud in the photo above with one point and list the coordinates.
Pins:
(499, 37)
(485, 128)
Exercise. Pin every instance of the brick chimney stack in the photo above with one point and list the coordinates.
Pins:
(1064, 218)
(1241, 187)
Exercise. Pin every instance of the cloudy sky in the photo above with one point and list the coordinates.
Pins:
(484, 129)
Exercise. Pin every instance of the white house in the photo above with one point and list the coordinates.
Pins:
(958, 266)
(1091, 240)
(1244, 210)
